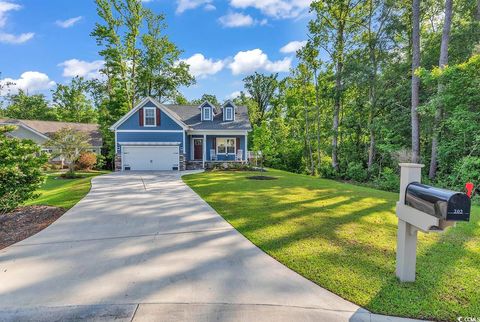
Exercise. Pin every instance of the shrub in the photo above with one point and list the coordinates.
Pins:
(20, 170)
(388, 180)
(101, 162)
(356, 172)
(466, 169)
(326, 170)
(86, 161)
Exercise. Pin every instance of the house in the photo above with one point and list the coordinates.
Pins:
(155, 136)
(41, 131)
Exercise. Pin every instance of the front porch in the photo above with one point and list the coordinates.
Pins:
(204, 150)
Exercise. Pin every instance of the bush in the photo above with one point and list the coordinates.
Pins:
(21, 162)
(388, 180)
(326, 170)
(86, 161)
(101, 162)
(467, 169)
(356, 172)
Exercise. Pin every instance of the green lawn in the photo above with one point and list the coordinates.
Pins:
(343, 237)
(64, 193)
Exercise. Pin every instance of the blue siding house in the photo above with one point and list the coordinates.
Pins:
(155, 136)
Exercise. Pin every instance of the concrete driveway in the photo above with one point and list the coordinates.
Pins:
(145, 247)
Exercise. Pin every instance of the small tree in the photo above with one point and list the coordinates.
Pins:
(262, 142)
(69, 144)
(20, 170)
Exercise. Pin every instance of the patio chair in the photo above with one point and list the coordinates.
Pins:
(239, 155)
(213, 155)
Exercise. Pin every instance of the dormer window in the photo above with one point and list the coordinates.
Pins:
(229, 114)
(207, 113)
(149, 116)
(228, 111)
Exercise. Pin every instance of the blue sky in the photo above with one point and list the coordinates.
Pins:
(47, 42)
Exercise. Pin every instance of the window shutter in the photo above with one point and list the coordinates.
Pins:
(214, 143)
(140, 116)
(238, 143)
(159, 117)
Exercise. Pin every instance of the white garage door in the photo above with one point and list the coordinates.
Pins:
(150, 157)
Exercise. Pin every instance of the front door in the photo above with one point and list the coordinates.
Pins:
(197, 149)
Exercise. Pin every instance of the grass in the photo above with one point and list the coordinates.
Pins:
(343, 237)
(64, 193)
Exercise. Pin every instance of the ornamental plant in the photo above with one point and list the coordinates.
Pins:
(20, 170)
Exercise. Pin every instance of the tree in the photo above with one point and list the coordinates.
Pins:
(206, 97)
(68, 144)
(442, 62)
(335, 22)
(71, 102)
(415, 81)
(160, 72)
(29, 107)
(261, 89)
(20, 170)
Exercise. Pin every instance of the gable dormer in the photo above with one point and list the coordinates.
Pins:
(228, 111)
(207, 111)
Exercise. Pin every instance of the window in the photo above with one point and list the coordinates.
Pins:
(206, 113)
(150, 118)
(229, 114)
(226, 146)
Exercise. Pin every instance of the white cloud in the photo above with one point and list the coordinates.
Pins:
(184, 5)
(15, 39)
(29, 81)
(275, 8)
(4, 8)
(75, 67)
(209, 7)
(235, 19)
(250, 61)
(293, 46)
(202, 67)
(69, 22)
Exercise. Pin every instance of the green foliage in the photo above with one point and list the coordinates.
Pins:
(206, 97)
(29, 107)
(388, 180)
(20, 170)
(68, 144)
(356, 172)
(101, 162)
(71, 102)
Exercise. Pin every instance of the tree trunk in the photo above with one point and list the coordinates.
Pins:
(415, 81)
(338, 90)
(307, 137)
(442, 62)
(317, 98)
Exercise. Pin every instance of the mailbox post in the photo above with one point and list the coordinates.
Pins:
(423, 208)
(407, 233)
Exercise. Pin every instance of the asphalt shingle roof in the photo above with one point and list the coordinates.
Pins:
(190, 115)
(47, 128)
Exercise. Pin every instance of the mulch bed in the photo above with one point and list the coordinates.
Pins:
(24, 222)
(261, 178)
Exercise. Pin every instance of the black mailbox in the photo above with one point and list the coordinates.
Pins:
(440, 203)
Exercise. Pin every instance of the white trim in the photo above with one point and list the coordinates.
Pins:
(225, 110)
(148, 143)
(184, 147)
(234, 109)
(217, 132)
(116, 143)
(246, 147)
(161, 131)
(154, 116)
(121, 157)
(204, 154)
(140, 105)
(204, 111)
(226, 151)
(178, 154)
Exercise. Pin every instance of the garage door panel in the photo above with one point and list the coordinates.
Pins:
(150, 157)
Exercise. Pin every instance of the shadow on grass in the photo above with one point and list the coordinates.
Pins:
(343, 238)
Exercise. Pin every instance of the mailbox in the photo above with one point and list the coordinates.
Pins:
(441, 203)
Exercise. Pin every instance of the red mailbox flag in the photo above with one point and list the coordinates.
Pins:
(469, 187)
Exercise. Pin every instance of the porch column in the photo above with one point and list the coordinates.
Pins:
(245, 156)
(204, 142)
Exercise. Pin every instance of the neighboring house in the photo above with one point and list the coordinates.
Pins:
(155, 136)
(41, 131)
